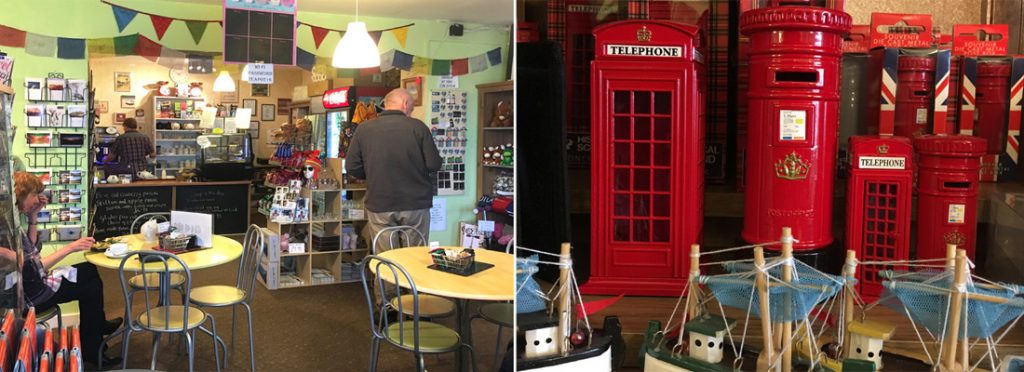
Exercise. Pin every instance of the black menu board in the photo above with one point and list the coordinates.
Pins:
(117, 207)
(252, 36)
(229, 205)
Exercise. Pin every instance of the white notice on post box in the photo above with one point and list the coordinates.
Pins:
(261, 73)
(921, 116)
(956, 213)
(792, 125)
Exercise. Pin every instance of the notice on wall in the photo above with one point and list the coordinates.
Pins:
(260, 73)
(793, 125)
(438, 214)
(956, 213)
(448, 82)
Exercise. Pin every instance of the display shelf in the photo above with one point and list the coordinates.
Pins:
(488, 97)
(175, 140)
(178, 130)
(498, 166)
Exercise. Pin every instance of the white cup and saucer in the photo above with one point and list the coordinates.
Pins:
(117, 250)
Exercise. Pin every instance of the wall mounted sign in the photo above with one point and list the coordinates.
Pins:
(336, 98)
(259, 32)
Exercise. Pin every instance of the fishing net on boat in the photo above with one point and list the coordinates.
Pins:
(928, 304)
(529, 297)
(787, 302)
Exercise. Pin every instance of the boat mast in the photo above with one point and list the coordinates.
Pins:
(692, 302)
(787, 276)
(957, 298)
(764, 361)
(849, 273)
(564, 299)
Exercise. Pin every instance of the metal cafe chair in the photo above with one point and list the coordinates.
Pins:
(402, 237)
(43, 316)
(181, 319)
(137, 283)
(503, 314)
(415, 335)
(239, 294)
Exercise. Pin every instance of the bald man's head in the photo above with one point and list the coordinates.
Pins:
(398, 99)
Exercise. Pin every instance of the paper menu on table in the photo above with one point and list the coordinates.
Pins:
(198, 224)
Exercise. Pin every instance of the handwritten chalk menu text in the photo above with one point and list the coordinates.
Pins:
(117, 208)
(229, 205)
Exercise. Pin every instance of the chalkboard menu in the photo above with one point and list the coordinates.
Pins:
(229, 205)
(117, 208)
(259, 36)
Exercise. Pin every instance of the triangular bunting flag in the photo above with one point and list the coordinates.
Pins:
(125, 45)
(375, 35)
(387, 60)
(304, 59)
(420, 65)
(171, 58)
(12, 37)
(123, 17)
(147, 48)
(403, 60)
(494, 56)
(197, 29)
(40, 45)
(100, 47)
(318, 35)
(478, 63)
(400, 35)
(441, 67)
(70, 48)
(460, 66)
(160, 25)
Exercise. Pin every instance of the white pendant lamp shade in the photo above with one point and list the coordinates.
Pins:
(224, 83)
(356, 49)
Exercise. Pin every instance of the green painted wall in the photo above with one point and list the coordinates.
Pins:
(94, 19)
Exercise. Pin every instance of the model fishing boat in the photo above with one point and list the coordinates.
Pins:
(555, 335)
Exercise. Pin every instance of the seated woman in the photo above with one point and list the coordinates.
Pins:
(46, 288)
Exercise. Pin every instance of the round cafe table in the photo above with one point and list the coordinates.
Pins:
(494, 284)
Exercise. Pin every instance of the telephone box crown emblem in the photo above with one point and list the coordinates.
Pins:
(643, 34)
(883, 149)
(792, 167)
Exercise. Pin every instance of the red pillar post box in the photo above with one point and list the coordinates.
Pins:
(914, 95)
(992, 102)
(795, 61)
(947, 193)
(878, 205)
(647, 168)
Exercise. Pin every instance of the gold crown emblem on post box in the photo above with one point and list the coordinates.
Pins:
(643, 34)
(883, 149)
(955, 238)
(792, 168)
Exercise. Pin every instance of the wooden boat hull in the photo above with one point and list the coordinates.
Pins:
(603, 354)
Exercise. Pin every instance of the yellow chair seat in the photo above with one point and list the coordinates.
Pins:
(156, 318)
(434, 338)
(216, 295)
(501, 313)
(430, 306)
(153, 280)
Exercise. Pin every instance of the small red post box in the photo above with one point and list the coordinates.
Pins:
(914, 95)
(795, 61)
(647, 168)
(878, 205)
(947, 193)
(992, 102)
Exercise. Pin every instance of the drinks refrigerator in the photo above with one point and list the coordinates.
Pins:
(340, 107)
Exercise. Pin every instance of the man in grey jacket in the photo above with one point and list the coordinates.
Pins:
(396, 155)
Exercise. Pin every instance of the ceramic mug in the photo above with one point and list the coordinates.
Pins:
(118, 249)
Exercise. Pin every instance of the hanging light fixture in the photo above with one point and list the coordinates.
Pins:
(356, 49)
(224, 82)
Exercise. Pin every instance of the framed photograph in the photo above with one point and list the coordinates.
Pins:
(122, 82)
(39, 139)
(102, 107)
(140, 113)
(119, 117)
(268, 112)
(128, 101)
(260, 90)
(254, 129)
(250, 104)
(228, 97)
(282, 106)
(414, 86)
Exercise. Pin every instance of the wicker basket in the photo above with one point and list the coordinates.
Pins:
(460, 265)
(173, 245)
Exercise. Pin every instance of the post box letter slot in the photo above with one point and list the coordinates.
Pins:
(921, 93)
(797, 76)
(957, 185)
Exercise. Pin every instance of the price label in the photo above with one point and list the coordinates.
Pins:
(485, 226)
(296, 247)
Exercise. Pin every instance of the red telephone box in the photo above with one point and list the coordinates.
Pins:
(878, 205)
(795, 61)
(647, 166)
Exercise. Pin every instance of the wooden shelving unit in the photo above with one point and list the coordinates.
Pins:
(176, 149)
(488, 96)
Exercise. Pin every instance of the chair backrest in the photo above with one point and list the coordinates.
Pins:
(385, 273)
(155, 262)
(249, 263)
(143, 218)
(510, 245)
(398, 237)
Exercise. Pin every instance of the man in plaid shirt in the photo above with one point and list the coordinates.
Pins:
(132, 147)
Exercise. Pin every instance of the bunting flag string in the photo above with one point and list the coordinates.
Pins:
(320, 33)
(124, 16)
(395, 58)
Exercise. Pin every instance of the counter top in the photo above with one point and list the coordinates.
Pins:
(165, 183)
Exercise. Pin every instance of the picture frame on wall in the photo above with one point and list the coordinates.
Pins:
(229, 97)
(414, 87)
(254, 129)
(282, 106)
(128, 101)
(250, 104)
(122, 81)
(119, 117)
(102, 107)
(260, 90)
(140, 113)
(268, 112)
